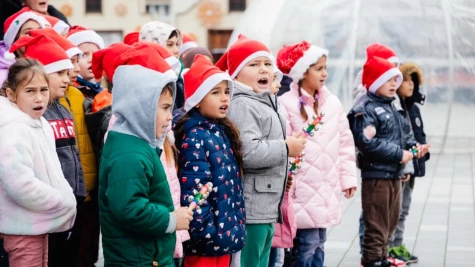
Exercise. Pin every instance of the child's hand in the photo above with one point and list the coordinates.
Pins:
(406, 178)
(295, 143)
(350, 192)
(289, 183)
(183, 217)
(406, 156)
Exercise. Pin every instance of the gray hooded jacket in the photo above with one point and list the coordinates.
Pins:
(262, 130)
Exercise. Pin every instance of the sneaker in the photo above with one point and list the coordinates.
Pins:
(392, 262)
(402, 253)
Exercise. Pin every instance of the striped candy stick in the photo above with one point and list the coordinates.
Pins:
(309, 131)
(199, 198)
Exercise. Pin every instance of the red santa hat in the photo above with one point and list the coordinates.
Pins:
(67, 45)
(377, 71)
(79, 35)
(13, 24)
(382, 51)
(58, 25)
(294, 60)
(131, 38)
(200, 79)
(46, 51)
(104, 59)
(188, 43)
(172, 61)
(240, 53)
(145, 55)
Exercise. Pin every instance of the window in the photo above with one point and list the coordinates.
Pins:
(163, 10)
(237, 5)
(93, 6)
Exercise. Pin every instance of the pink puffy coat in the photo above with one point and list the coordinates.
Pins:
(329, 166)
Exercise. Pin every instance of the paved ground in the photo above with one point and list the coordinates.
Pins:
(441, 223)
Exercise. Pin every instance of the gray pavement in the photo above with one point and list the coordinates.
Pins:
(440, 228)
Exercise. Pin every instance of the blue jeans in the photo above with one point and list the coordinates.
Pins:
(308, 247)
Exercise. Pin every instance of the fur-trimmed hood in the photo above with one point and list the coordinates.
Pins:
(412, 71)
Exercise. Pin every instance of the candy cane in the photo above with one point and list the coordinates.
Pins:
(309, 131)
(199, 198)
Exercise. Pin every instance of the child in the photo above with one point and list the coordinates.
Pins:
(89, 42)
(373, 50)
(136, 207)
(409, 94)
(209, 150)
(329, 167)
(63, 247)
(16, 25)
(254, 111)
(188, 43)
(34, 193)
(383, 138)
(104, 59)
(171, 39)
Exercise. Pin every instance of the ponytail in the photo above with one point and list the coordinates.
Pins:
(303, 112)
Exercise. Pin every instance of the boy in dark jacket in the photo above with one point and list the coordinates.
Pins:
(409, 95)
(138, 220)
(383, 138)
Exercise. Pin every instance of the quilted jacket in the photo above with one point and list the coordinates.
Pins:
(329, 166)
(205, 155)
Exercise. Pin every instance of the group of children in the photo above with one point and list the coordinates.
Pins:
(216, 189)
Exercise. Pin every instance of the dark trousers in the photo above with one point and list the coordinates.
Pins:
(381, 205)
(89, 246)
(63, 248)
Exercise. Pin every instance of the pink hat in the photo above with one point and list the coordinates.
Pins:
(240, 53)
(46, 51)
(294, 60)
(200, 79)
(377, 71)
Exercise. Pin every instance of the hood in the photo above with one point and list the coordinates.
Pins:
(136, 94)
(358, 89)
(241, 90)
(15, 114)
(4, 64)
(411, 71)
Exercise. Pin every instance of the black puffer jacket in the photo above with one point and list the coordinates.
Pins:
(380, 156)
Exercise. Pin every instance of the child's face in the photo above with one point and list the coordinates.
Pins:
(388, 89)
(27, 27)
(31, 98)
(316, 75)
(73, 73)
(85, 62)
(406, 90)
(58, 82)
(275, 86)
(163, 116)
(258, 74)
(216, 103)
(40, 6)
(173, 46)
